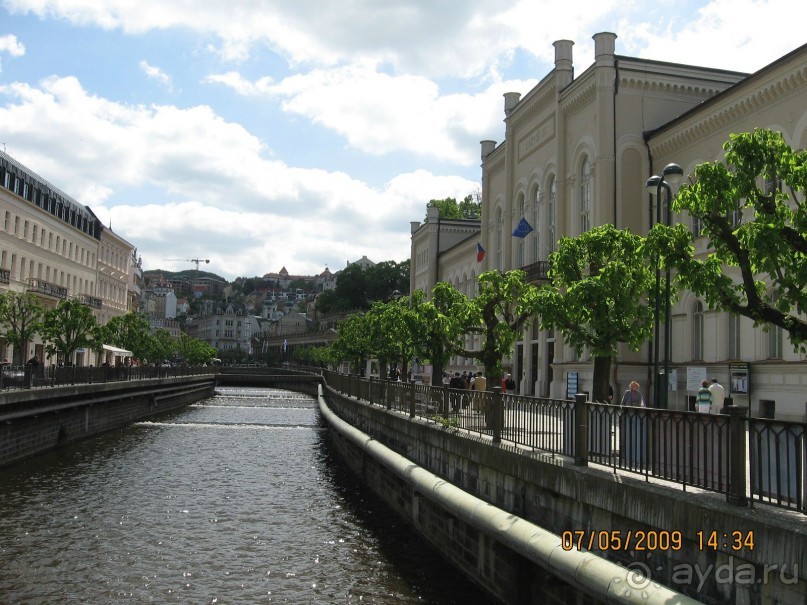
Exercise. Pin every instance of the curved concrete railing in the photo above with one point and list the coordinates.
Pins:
(603, 580)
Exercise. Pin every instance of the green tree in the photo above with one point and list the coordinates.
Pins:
(505, 304)
(70, 325)
(353, 343)
(600, 283)
(448, 208)
(130, 331)
(438, 330)
(21, 314)
(193, 350)
(385, 279)
(753, 212)
(391, 332)
(161, 346)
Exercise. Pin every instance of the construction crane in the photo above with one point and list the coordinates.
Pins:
(190, 260)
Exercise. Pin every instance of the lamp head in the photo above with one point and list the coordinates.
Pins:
(673, 174)
(652, 184)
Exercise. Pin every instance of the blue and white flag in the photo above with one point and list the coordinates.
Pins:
(523, 229)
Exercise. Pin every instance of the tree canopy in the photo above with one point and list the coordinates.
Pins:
(21, 315)
(357, 288)
(601, 281)
(469, 207)
(505, 303)
(69, 326)
(752, 211)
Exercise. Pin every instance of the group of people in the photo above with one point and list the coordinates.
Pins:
(710, 397)
(709, 400)
(478, 382)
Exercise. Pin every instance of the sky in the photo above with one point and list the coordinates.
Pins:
(261, 134)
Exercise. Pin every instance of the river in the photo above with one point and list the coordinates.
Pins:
(238, 499)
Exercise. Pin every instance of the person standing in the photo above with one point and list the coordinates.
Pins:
(633, 396)
(633, 437)
(718, 396)
(480, 385)
(703, 400)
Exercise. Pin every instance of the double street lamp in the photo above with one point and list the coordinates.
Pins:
(670, 177)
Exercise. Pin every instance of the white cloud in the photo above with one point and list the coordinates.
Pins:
(11, 45)
(219, 192)
(155, 73)
(379, 114)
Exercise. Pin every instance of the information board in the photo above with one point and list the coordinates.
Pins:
(571, 385)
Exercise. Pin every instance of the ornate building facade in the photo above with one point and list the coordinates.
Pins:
(577, 154)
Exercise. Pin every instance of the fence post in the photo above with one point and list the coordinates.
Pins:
(389, 393)
(738, 451)
(370, 390)
(412, 399)
(497, 414)
(444, 411)
(580, 430)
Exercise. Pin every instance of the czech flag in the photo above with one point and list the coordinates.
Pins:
(480, 252)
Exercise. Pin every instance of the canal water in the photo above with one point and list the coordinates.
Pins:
(235, 500)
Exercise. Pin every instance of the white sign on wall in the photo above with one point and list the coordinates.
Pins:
(695, 376)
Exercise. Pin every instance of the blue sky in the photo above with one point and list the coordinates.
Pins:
(266, 133)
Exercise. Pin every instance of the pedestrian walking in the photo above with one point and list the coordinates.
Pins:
(703, 400)
(718, 396)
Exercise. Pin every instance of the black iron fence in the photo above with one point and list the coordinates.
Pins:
(28, 377)
(747, 459)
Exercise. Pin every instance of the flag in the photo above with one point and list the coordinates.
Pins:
(523, 229)
(480, 252)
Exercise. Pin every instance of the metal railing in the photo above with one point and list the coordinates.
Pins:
(747, 459)
(29, 377)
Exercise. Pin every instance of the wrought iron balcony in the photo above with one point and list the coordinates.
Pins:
(5, 276)
(43, 287)
(90, 301)
(537, 271)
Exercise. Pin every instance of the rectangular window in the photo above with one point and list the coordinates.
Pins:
(775, 342)
(734, 336)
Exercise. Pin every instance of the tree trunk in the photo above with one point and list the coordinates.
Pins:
(602, 371)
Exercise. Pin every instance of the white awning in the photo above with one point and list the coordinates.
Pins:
(116, 351)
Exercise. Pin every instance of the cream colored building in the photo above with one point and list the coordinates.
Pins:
(577, 153)
(53, 246)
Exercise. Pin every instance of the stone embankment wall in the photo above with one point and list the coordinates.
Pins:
(33, 421)
(497, 512)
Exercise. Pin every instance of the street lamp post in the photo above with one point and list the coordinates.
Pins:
(670, 177)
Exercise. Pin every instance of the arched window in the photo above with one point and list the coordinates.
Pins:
(585, 196)
(697, 331)
(536, 224)
(499, 238)
(550, 216)
(518, 253)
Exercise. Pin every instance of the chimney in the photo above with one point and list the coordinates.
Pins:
(564, 68)
(487, 148)
(511, 99)
(604, 47)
